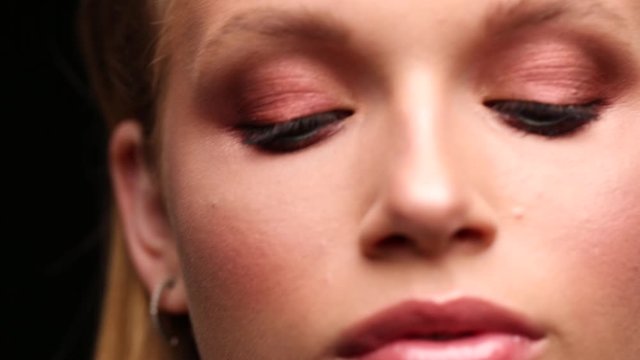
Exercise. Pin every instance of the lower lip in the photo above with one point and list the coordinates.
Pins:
(481, 347)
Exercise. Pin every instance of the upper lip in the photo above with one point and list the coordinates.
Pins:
(433, 321)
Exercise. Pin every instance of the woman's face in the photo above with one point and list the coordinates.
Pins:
(406, 179)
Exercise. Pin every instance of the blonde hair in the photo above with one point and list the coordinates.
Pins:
(123, 46)
(125, 329)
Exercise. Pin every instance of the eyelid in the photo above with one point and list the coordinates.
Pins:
(544, 119)
(285, 87)
(294, 134)
(559, 64)
(280, 105)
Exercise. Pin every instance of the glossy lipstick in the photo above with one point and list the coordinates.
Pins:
(462, 329)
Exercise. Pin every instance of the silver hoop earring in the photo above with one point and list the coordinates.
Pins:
(155, 313)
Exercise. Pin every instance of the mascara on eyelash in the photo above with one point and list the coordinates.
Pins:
(300, 128)
(551, 113)
(547, 120)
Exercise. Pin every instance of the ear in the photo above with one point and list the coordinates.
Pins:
(146, 227)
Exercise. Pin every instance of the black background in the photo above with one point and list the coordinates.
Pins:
(55, 188)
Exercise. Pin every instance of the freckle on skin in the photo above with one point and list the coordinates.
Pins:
(517, 212)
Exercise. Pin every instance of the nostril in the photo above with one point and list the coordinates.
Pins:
(397, 243)
(468, 234)
(394, 242)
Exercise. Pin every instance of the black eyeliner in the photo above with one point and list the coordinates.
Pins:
(549, 120)
(287, 135)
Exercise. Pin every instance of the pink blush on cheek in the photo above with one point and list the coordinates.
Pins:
(239, 265)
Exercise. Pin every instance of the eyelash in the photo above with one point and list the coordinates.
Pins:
(295, 134)
(529, 117)
(547, 120)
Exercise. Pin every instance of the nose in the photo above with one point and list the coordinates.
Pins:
(427, 202)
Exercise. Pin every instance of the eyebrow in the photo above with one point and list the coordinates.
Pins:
(313, 27)
(516, 15)
(279, 24)
(307, 25)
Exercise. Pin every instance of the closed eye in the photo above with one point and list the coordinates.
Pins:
(294, 134)
(548, 120)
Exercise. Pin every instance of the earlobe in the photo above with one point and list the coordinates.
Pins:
(145, 224)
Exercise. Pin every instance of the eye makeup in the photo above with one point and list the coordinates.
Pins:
(547, 120)
(546, 70)
(288, 104)
(548, 84)
(294, 134)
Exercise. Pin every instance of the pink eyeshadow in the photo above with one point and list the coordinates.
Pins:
(284, 89)
(545, 70)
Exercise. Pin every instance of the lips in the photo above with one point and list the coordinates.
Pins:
(465, 328)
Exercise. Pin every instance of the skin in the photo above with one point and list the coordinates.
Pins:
(275, 254)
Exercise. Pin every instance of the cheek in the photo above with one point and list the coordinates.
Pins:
(596, 234)
(246, 252)
(244, 257)
(259, 234)
(593, 247)
(572, 208)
